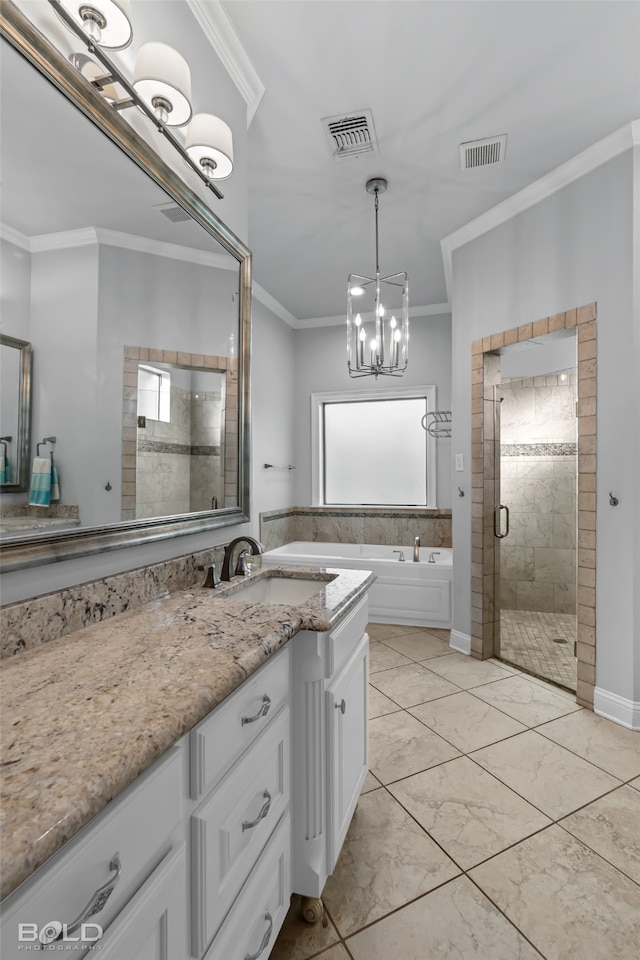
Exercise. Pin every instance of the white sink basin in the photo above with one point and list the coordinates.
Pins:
(279, 590)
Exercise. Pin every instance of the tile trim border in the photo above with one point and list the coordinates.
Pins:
(616, 708)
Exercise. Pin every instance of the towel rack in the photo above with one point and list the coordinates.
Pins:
(440, 425)
(42, 443)
(4, 441)
(279, 466)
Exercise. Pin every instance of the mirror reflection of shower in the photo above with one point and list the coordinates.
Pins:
(537, 481)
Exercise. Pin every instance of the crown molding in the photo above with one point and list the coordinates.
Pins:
(594, 156)
(221, 34)
(259, 293)
(427, 310)
(15, 237)
(113, 238)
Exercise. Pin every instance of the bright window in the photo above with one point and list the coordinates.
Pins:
(371, 448)
(154, 393)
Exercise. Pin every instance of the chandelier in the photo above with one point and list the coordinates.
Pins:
(377, 316)
(160, 87)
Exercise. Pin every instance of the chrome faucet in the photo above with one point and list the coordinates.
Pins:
(256, 548)
(433, 555)
(416, 550)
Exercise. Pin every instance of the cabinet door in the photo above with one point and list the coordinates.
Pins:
(346, 703)
(153, 926)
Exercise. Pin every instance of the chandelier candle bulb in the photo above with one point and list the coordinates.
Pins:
(363, 340)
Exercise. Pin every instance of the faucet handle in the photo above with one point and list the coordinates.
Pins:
(401, 557)
(213, 578)
(242, 567)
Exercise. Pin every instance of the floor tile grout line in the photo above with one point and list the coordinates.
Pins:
(506, 917)
(584, 843)
(573, 751)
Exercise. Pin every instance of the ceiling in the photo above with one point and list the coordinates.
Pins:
(554, 76)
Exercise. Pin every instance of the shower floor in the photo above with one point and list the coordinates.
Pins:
(527, 639)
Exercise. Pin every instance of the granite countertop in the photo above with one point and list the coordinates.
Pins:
(84, 715)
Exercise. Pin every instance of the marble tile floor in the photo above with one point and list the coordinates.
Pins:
(528, 639)
(499, 820)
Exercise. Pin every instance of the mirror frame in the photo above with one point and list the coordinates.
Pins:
(22, 552)
(23, 435)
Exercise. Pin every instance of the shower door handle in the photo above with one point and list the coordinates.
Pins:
(496, 521)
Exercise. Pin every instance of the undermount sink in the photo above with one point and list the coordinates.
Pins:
(279, 590)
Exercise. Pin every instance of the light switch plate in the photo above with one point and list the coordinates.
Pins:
(459, 462)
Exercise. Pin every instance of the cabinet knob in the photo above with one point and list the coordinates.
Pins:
(342, 706)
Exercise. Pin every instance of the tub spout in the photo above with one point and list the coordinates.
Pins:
(416, 550)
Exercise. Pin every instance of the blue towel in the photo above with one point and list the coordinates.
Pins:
(5, 469)
(40, 493)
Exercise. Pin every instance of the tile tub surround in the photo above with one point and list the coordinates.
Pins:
(30, 623)
(379, 525)
(485, 373)
(161, 670)
(524, 885)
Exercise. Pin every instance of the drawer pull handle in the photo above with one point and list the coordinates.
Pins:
(265, 939)
(342, 706)
(262, 712)
(264, 810)
(98, 898)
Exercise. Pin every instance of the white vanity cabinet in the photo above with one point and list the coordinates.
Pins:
(329, 744)
(126, 870)
(242, 817)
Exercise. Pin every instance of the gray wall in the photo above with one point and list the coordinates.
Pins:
(272, 413)
(572, 248)
(321, 366)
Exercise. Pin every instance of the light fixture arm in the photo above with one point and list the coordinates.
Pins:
(114, 74)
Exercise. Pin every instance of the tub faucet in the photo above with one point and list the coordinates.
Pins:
(433, 555)
(227, 563)
(416, 550)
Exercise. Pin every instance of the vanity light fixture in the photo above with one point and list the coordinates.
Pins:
(160, 87)
(105, 22)
(378, 338)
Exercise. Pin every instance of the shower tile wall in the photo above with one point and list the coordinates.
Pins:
(206, 450)
(538, 463)
(162, 470)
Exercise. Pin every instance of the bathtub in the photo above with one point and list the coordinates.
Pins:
(408, 593)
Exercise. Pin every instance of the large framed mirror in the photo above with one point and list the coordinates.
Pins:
(15, 407)
(128, 283)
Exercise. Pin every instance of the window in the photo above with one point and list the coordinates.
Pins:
(154, 393)
(370, 448)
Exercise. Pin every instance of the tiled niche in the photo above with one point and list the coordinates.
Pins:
(485, 579)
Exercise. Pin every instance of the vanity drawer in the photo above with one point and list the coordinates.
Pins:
(346, 636)
(217, 742)
(138, 826)
(232, 826)
(253, 924)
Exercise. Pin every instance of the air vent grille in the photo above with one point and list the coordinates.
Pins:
(483, 153)
(173, 212)
(352, 135)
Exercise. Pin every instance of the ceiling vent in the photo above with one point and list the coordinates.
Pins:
(350, 136)
(483, 153)
(173, 212)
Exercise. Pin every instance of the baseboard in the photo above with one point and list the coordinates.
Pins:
(460, 642)
(616, 708)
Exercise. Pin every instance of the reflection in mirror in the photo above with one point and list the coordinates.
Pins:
(184, 416)
(15, 407)
(113, 257)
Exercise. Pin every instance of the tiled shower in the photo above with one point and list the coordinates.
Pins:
(538, 467)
